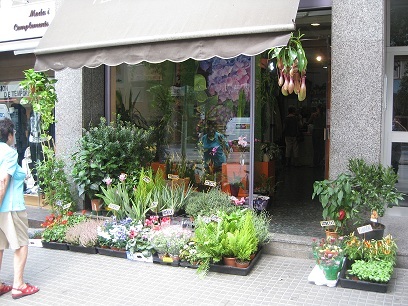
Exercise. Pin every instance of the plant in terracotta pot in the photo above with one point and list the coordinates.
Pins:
(338, 199)
(375, 186)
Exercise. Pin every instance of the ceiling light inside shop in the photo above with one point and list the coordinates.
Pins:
(315, 24)
(318, 58)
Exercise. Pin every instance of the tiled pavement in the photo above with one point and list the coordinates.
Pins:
(69, 278)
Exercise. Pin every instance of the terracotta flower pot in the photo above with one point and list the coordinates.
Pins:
(229, 261)
(241, 264)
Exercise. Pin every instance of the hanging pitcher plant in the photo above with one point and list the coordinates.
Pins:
(291, 62)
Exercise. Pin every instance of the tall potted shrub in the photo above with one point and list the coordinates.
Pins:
(375, 186)
(109, 150)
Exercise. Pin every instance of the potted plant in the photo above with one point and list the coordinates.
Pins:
(329, 256)
(198, 203)
(338, 199)
(269, 151)
(369, 264)
(102, 152)
(55, 228)
(235, 183)
(138, 246)
(83, 236)
(375, 186)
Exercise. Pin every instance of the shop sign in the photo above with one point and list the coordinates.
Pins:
(26, 21)
(12, 91)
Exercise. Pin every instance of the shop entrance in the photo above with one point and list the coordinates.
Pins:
(292, 208)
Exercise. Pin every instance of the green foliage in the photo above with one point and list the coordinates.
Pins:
(208, 238)
(375, 185)
(102, 151)
(175, 197)
(357, 248)
(41, 95)
(338, 199)
(56, 226)
(261, 223)
(374, 270)
(208, 203)
(54, 182)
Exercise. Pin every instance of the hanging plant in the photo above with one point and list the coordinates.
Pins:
(291, 62)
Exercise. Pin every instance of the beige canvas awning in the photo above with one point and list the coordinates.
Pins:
(95, 32)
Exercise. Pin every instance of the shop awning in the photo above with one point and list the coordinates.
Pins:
(95, 32)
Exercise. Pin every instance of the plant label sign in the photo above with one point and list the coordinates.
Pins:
(154, 204)
(66, 206)
(113, 206)
(210, 183)
(167, 212)
(147, 179)
(327, 223)
(173, 176)
(364, 229)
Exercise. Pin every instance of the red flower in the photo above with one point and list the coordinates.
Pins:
(70, 213)
(342, 214)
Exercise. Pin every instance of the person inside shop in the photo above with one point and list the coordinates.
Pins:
(318, 121)
(13, 214)
(215, 147)
(291, 130)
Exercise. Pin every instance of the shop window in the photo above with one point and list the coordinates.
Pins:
(399, 23)
(201, 114)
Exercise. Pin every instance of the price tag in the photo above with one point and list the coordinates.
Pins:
(327, 223)
(147, 179)
(210, 183)
(364, 229)
(66, 206)
(167, 259)
(154, 204)
(167, 212)
(173, 176)
(113, 206)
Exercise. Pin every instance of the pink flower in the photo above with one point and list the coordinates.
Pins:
(107, 180)
(242, 141)
(122, 177)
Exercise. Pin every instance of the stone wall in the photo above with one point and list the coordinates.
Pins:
(358, 42)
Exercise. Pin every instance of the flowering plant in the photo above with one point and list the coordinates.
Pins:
(114, 233)
(139, 239)
(170, 239)
(189, 253)
(56, 225)
(241, 143)
(328, 252)
(356, 248)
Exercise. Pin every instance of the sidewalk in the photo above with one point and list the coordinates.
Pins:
(69, 278)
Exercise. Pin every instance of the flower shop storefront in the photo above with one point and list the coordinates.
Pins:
(186, 76)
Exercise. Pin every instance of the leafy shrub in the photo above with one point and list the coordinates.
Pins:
(378, 271)
(207, 204)
(110, 150)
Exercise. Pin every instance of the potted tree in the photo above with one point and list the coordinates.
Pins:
(375, 186)
(338, 198)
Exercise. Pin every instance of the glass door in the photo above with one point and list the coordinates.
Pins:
(396, 116)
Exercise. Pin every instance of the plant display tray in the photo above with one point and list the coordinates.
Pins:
(221, 268)
(186, 264)
(55, 245)
(113, 253)
(168, 261)
(359, 284)
(81, 249)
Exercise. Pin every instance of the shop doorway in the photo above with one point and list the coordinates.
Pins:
(292, 208)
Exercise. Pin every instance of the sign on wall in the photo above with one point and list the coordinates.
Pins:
(11, 91)
(26, 21)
